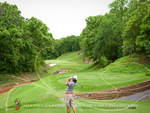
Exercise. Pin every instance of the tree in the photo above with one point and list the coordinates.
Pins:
(108, 41)
(63, 45)
(39, 33)
(143, 40)
(20, 40)
(132, 30)
(118, 8)
(88, 35)
(10, 37)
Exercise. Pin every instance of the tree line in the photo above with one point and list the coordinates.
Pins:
(124, 30)
(60, 46)
(20, 40)
(23, 40)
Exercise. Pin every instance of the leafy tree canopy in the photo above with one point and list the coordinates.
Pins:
(20, 40)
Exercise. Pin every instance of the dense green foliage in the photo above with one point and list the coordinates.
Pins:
(143, 40)
(123, 31)
(88, 34)
(63, 45)
(133, 29)
(20, 40)
(108, 41)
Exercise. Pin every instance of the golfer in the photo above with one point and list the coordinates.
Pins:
(71, 83)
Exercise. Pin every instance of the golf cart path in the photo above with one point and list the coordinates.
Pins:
(137, 97)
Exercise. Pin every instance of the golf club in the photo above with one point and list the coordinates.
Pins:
(77, 82)
(80, 84)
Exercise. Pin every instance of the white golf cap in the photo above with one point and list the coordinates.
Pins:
(75, 77)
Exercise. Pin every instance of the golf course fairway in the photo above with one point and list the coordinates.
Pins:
(47, 94)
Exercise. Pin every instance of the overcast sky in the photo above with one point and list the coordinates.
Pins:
(63, 17)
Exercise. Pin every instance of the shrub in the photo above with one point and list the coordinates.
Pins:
(148, 73)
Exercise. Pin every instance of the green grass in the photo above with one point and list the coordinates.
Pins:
(84, 106)
(9, 79)
(128, 65)
(52, 88)
(5, 79)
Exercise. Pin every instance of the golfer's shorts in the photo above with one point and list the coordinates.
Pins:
(69, 100)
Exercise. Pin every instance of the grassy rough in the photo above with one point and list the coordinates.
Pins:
(129, 65)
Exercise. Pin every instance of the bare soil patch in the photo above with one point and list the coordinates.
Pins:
(87, 61)
(6, 88)
(63, 71)
(146, 100)
(141, 60)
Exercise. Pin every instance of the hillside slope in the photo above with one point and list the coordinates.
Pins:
(130, 65)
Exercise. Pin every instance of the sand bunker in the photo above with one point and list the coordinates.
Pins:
(52, 64)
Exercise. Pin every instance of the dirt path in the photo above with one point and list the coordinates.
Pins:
(6, 88)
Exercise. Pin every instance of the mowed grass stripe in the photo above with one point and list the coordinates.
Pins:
(90, 78)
